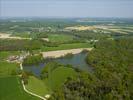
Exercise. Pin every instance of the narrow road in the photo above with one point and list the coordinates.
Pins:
(42, 98)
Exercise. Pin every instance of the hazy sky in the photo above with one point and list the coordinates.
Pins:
(66, 8)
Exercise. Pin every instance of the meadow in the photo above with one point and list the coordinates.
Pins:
(8, 69)
(11, 89)
(58, 76)
(68, 46)
(60, 38)
(37, 86)
(10, 83)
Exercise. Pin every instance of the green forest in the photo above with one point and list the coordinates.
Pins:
(111, 78)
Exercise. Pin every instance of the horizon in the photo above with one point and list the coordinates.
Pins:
(60, 17)
(67, 8)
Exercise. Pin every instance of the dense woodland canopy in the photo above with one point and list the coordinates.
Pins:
(111, 78)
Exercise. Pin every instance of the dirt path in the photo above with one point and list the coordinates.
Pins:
(42, 98)
(27, 91)
(59, 53)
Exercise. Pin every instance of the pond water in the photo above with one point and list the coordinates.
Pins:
(77, 61)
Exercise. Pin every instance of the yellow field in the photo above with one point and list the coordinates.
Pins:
(80, 28)
(108, 29)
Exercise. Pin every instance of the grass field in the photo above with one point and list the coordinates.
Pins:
(23, 34)
(60, 38)
(10, 86)
(67, 46)
(6, 68)
(11, 89)
(58, 76)
(37, 86)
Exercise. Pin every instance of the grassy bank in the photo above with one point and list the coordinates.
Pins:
(37, 86)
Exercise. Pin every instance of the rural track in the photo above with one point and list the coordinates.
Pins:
(27, 91)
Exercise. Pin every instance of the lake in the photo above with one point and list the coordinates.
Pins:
(77, 61)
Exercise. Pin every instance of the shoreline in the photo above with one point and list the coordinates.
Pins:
(60, 53)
